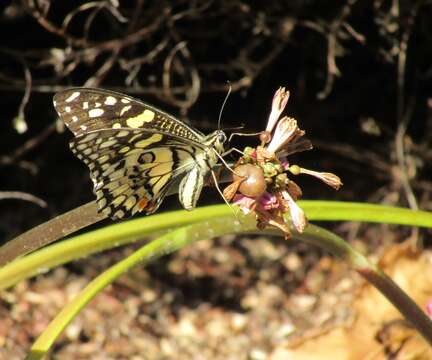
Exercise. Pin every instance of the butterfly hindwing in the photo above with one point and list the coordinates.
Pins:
(133, 169)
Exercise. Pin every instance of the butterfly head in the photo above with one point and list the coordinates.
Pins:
(216, 140)
(221, 137)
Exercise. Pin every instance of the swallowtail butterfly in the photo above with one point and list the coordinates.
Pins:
(136, 152)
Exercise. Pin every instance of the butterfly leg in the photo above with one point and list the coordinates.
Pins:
(232, 150)
(220, 191)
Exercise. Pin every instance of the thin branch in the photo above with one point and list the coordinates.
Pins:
(194, 90)
(27, 146)
(332, 36)
(22, 196)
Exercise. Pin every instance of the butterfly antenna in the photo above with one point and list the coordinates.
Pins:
(223, 104)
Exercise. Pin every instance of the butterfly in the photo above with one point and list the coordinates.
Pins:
(136, 152)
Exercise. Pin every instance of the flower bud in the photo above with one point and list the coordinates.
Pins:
(279, 102)
(330, 179)
(253, 183)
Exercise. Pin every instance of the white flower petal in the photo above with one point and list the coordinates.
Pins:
(298, 216)
(279, 102)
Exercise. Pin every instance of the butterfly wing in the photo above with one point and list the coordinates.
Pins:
(86, 109)
(134, 151)
(132, 170)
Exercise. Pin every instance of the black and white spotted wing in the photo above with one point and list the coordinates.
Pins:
(135, 152)
(85, 109)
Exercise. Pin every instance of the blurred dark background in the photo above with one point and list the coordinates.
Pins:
(359, 73)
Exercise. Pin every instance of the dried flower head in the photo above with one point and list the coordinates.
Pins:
(262, 184)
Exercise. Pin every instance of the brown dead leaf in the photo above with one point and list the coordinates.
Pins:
(378, 330)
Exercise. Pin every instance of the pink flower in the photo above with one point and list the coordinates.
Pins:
(279, 102)
(269, 201)
(279, 193)
(245, 203)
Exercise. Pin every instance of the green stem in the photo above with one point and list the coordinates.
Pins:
(133, 230)
(364, 212)
(106, 238)
(85, 215)
(50, 231)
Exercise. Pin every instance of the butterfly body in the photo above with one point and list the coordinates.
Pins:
(136, 152)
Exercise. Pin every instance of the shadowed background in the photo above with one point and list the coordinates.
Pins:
(357, 72)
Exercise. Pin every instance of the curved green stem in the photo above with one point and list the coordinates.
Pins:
(133, 230)
(85, 215)
(106, 238)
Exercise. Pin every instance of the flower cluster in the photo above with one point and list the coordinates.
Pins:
(262, 182)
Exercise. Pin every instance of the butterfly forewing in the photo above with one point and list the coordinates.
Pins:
(134, 151)
(85, 109)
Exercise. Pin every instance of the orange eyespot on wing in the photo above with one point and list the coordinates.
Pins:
(142, 204)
